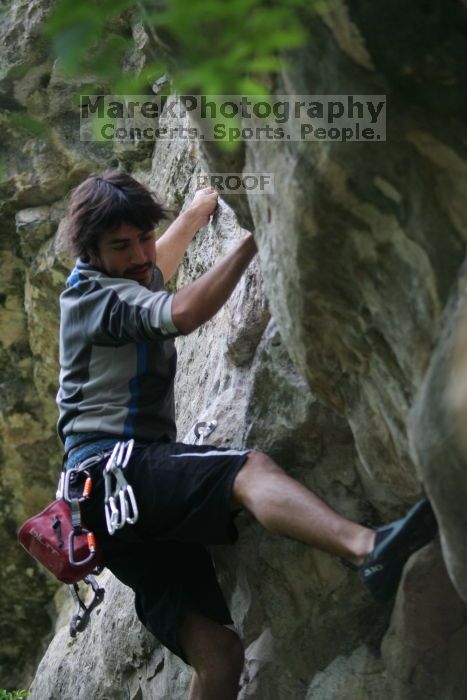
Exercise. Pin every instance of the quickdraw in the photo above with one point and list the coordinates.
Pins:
(120, 502)
(81, 617)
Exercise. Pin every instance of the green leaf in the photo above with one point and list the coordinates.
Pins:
(135, 84)
(265, 63)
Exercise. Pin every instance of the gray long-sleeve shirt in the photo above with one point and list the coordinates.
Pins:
(117, 357)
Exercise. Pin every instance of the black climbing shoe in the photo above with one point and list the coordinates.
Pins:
(381, 571)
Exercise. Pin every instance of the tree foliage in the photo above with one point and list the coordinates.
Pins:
(206, 46)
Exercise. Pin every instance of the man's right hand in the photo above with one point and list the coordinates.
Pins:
(196, 303)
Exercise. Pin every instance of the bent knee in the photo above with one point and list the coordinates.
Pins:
(257, 464)
(232, 650)
(227, 656)
(257, 468)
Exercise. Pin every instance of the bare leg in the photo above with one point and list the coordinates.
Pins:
(216, 654)
(283, 505)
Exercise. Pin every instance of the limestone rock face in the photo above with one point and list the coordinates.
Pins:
(361, 675)
(333, 355)
(424, 654)
(132, 666)
(437, 424)
(357, 282)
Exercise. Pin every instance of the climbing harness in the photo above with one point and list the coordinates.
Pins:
(120, 508)
(120, 502)
(57, 537)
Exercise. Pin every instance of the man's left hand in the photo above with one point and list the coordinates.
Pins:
(203, 205)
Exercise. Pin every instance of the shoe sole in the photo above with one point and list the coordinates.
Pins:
(381, 575)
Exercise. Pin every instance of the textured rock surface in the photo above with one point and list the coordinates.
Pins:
(425, 654)
(318, 359)
(437, 423)
(361, 675)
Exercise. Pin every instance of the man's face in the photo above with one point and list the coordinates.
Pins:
(127, 252)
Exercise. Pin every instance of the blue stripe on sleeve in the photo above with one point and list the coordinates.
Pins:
(74, 278)
(142, 362)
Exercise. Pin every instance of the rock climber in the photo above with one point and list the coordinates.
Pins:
(118, 365)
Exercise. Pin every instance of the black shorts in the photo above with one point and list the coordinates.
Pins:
(183, 494)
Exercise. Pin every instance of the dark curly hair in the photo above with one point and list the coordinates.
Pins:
(101, 204)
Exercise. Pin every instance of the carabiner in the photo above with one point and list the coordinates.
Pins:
(134, 508)
(71, 541)
(118, 491)
(129, 450)
(108, 519)
(123, 510)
